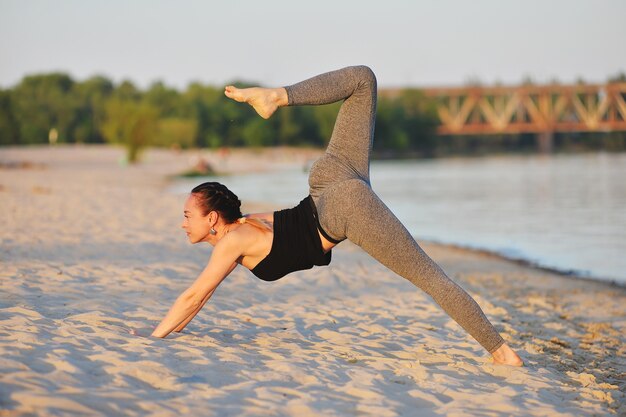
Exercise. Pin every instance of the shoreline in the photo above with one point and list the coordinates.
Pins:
(566, 273)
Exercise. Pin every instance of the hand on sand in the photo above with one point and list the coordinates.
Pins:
(264, 101)
(504, 355)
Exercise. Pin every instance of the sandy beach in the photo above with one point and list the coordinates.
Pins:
(92, 247)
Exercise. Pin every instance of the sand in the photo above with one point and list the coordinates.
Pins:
(92, 248)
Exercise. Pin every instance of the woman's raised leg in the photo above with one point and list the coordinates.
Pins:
(353, 133)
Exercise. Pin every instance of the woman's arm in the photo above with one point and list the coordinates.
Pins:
(182, 325)
(193, 314)
(224, 255)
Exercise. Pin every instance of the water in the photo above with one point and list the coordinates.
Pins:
(566, 212)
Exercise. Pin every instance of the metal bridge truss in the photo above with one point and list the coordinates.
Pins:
(530, 109)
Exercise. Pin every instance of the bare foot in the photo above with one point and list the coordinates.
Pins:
(264, 100)
(504, 355)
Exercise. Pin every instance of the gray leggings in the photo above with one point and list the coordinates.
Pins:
(348, 207)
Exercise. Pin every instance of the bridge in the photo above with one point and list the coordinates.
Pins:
(543, 110)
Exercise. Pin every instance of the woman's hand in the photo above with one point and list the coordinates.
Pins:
(223, 261)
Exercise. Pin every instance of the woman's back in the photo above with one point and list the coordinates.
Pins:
(296, 244)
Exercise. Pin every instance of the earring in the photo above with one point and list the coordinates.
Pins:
(212, 231)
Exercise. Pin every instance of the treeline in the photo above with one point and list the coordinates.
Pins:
(56, 108)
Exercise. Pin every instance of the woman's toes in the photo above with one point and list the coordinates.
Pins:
(234, 93)
(229, 90)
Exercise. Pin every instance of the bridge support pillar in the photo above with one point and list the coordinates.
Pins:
(545, 142)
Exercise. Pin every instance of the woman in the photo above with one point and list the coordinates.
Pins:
(341, 205)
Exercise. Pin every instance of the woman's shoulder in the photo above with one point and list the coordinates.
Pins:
(251, 240)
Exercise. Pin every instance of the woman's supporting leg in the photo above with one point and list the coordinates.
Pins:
(368, 222)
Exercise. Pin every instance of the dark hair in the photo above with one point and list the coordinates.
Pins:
(215, 196)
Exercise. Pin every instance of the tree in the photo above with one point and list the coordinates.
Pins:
(130, 122)
(44, 102)
(166, 100)
(175, 131)
(405, 123)
(9, 129)
(91, 96)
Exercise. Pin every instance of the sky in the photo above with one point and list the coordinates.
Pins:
(278, 42)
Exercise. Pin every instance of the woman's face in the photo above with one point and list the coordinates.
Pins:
(195, 223)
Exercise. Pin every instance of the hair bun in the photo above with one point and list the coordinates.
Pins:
(214, 196)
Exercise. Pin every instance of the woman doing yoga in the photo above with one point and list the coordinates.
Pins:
(341, 205)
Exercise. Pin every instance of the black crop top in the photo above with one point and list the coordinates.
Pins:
(296, 244)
